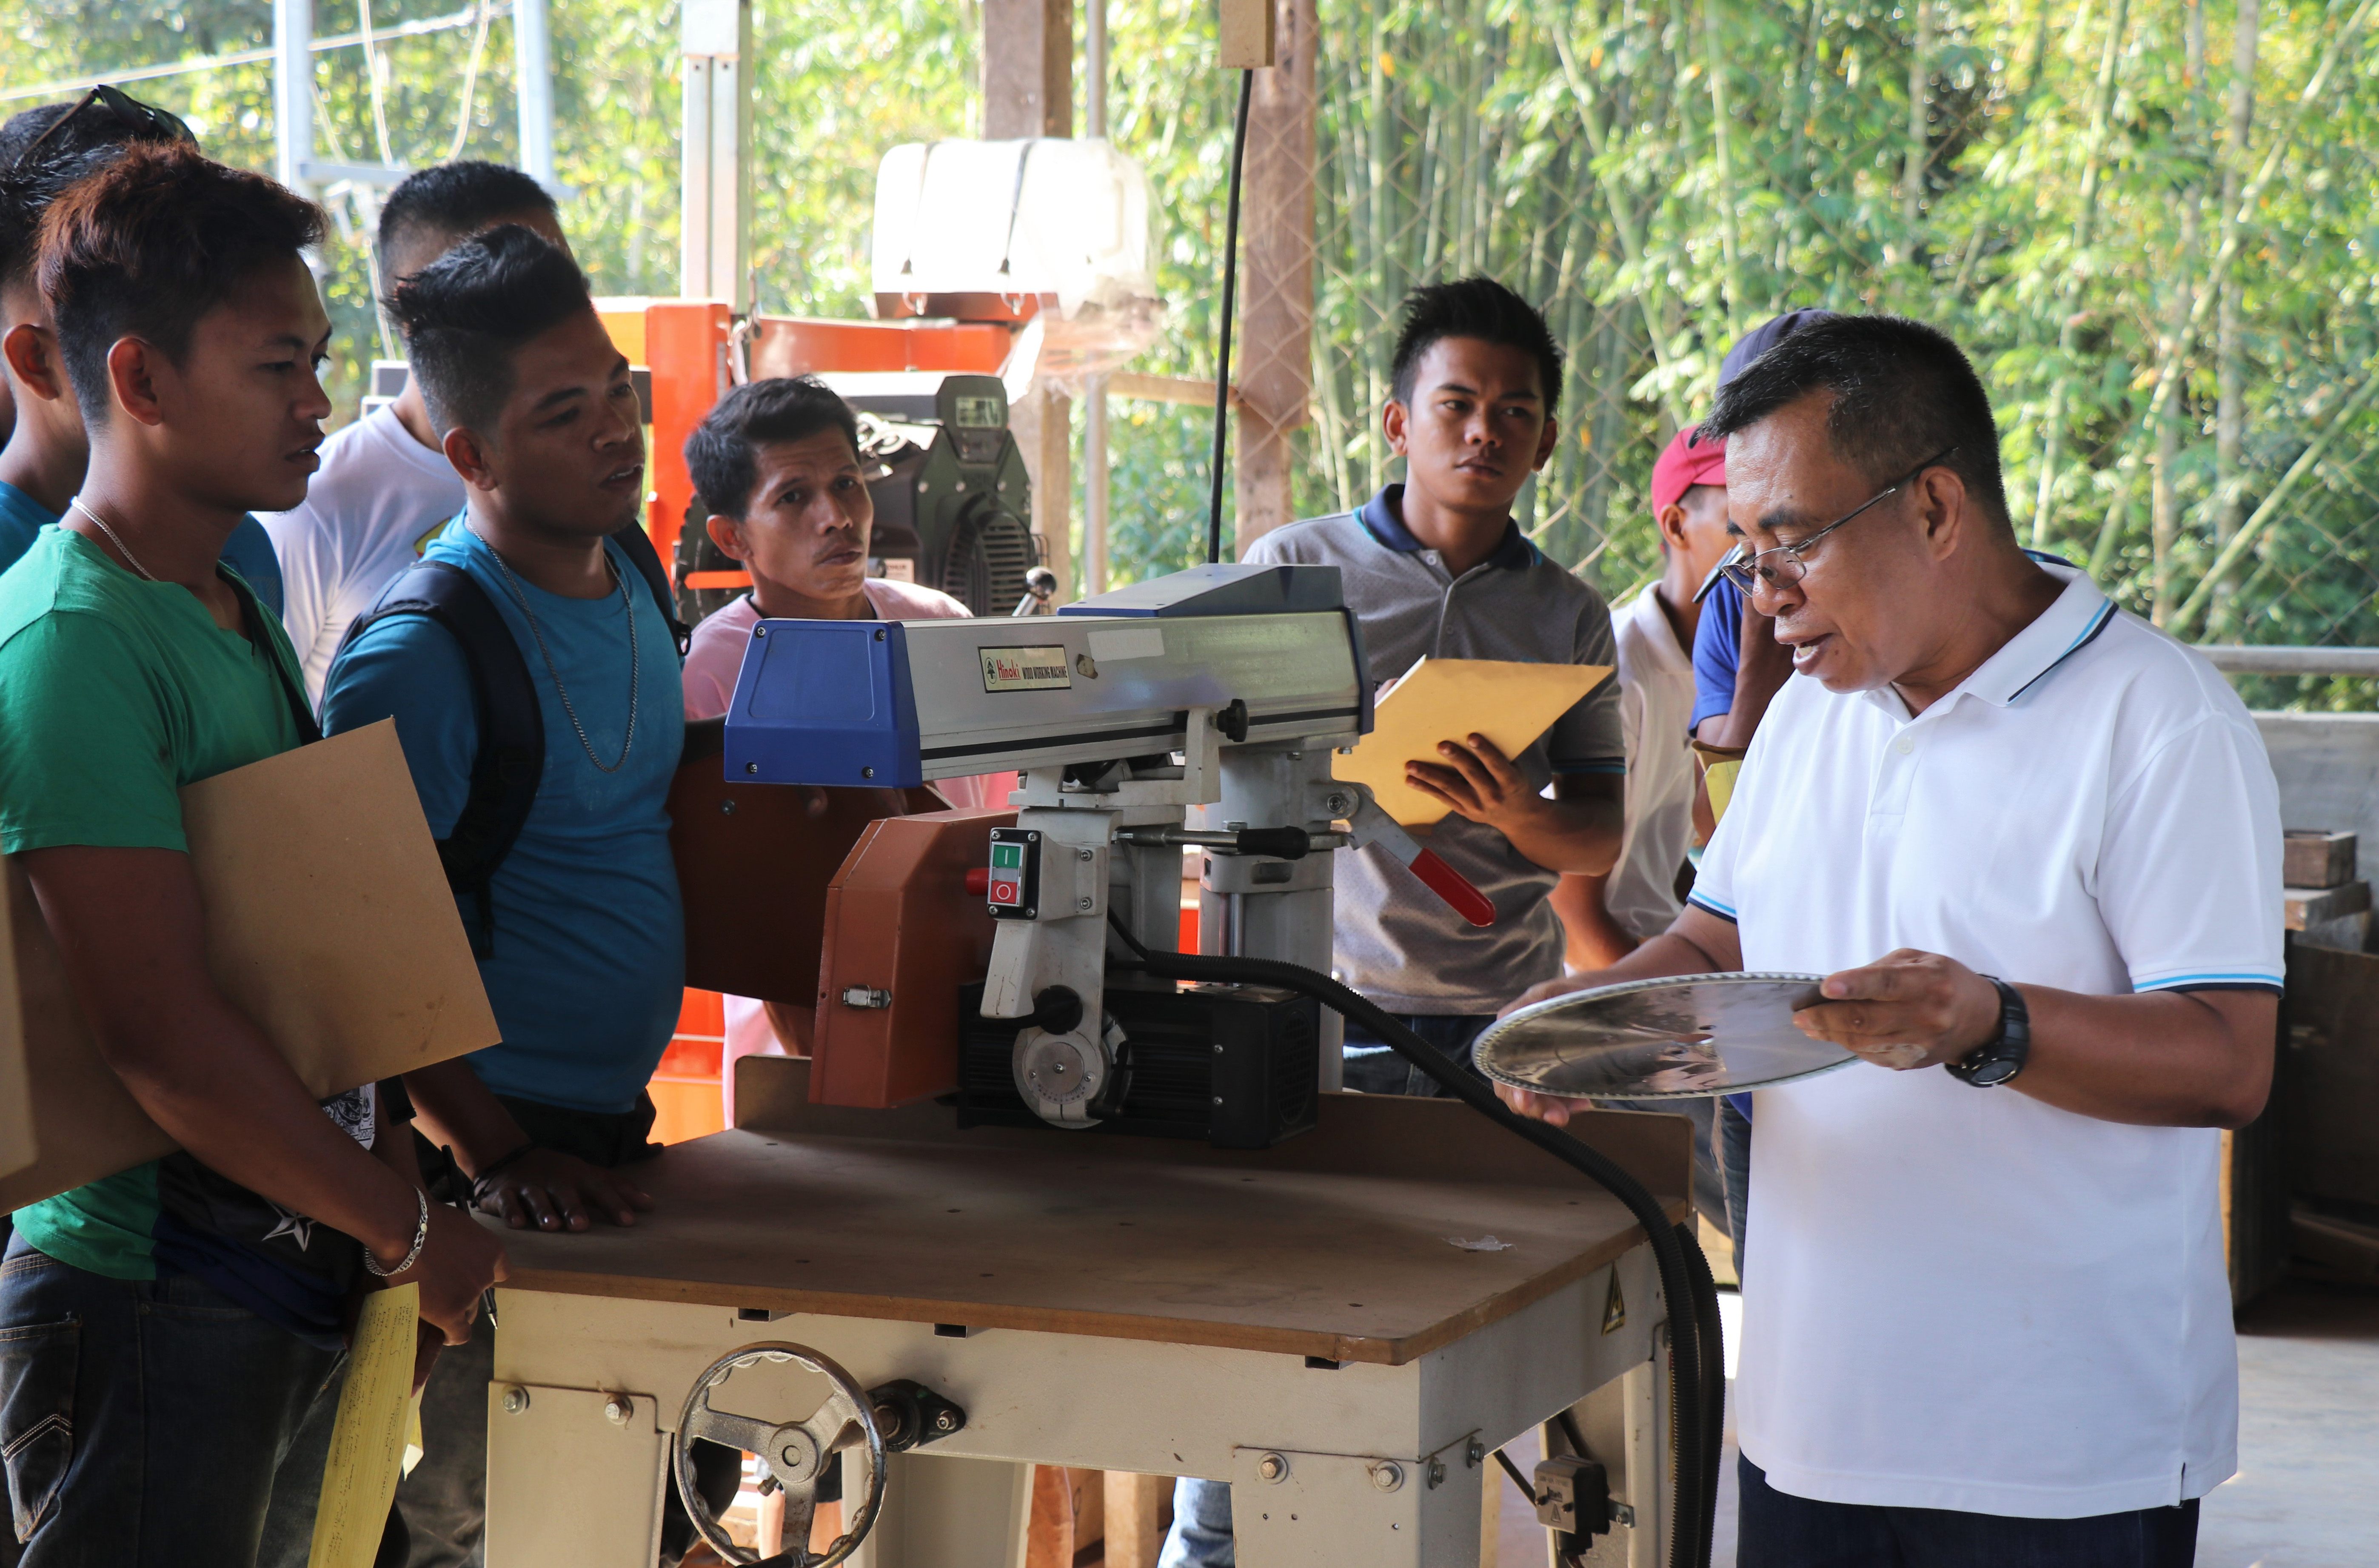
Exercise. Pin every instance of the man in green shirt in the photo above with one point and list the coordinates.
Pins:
(165, 1333)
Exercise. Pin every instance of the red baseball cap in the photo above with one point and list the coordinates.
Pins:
(1682, 467)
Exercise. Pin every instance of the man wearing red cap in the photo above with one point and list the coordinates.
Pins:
(1607, 916)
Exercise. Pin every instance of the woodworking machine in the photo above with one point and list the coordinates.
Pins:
(1224, 687)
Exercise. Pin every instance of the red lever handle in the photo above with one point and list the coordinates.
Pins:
(979, 880)
(1455, 888)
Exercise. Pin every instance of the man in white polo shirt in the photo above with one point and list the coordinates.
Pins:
(2034, 844)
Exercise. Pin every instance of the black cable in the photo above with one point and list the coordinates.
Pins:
(1694, 1347)
(1230, 296)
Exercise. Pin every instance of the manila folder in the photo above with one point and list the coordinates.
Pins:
(1446, 699)
(328, 924)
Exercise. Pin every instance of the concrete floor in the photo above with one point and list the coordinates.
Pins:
(2307, 1492)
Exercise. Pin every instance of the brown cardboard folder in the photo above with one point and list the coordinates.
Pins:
(328, 923)
(1444, 699)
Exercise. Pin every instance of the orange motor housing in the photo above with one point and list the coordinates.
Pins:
(903, 933)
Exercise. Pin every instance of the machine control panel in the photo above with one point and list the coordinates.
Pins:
(1015, 889)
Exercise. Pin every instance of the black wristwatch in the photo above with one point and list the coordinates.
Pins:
(1999, 1058)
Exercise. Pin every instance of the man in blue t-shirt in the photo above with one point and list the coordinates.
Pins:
(581, 940)
(47, 450)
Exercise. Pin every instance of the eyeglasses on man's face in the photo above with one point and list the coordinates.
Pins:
(1784, 566)
(143, 122)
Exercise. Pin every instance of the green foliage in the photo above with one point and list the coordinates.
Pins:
(1660, 175)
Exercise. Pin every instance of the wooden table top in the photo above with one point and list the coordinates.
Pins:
(1337, 1244)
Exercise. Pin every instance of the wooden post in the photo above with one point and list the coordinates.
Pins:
(1139, 1511)
(1028, 90)
(1275, 364)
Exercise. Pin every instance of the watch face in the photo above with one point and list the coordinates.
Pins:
(1997, 1070)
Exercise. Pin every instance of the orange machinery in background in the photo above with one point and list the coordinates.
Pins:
(692, 351)
(687, 354)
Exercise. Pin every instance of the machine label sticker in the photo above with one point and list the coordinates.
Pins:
(1026, 669)
(1113, 646)
(1614, 1306)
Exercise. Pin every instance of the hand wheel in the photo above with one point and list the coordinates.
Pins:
(792, 1456)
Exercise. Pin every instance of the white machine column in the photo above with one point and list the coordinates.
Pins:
(533, 87)
(1253, 907)
(292, 91)
(716, 228)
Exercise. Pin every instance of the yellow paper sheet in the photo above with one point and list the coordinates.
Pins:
(1718, 780)
(17, 1147)
(1446, 699)
(367, 1440)
(329, 923)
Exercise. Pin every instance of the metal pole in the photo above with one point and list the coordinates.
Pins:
(1095, 20)
(533, 87)
(292, 90)
(694, 225)
(1094, 410)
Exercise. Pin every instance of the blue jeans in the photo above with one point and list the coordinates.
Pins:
(154, 1422)
(1781, 1531)
(1734, 1163)
(1374, 1068)
(1200, 1536)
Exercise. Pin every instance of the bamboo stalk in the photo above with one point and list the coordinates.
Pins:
(1911, 180)
(2163, 507)
(1730, 238)
(2102, 107)
(2229, 371)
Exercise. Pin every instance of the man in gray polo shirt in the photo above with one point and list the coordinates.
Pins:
(1436, 568)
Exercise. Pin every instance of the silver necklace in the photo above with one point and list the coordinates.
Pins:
(121, 548)
(635, 664)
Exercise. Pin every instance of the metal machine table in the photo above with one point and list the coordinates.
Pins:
(1111, 1303)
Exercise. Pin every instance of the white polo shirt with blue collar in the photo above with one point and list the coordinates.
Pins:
(1964, 1298)
(1396, 941)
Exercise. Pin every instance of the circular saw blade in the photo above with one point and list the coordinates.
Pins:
(1670, 1039)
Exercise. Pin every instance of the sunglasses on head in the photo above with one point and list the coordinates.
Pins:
(144, 122)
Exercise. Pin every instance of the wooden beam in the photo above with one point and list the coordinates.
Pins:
(1028, 68)
(1275, 370)
(1249, 35)
(1028, 90)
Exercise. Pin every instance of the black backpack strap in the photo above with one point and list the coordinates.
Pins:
(637, 546)
(510, 763)
(251, 620)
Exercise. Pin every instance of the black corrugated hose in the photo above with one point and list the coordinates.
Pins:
(1697, 1386)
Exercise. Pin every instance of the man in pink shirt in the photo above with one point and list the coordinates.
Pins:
(779, 463)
